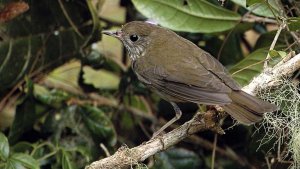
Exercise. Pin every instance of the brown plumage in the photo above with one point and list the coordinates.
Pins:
(182, 72)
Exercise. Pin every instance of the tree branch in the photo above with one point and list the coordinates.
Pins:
(125, 157)
(270, 76)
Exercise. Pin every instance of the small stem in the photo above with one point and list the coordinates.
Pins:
(105, 150)
(69, 18)
(47, 156)
(41, 145)
(282, 26)
(268, 163)
(214, 152)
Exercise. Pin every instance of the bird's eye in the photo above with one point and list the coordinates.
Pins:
(134, 38)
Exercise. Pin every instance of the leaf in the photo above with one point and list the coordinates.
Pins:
(54, 98)
(98, 124)
(84, 151)
(249, 67)
(26, 114)
(260, 7)
(275, 53)
(101, 79)
(64, 77)
(13, 165)
(66, 163)
(25, 160)
(252, 2)
(4, 147)
(22, 147)
(294, 23)
(32, 43)
(177, 159)
(188, 15)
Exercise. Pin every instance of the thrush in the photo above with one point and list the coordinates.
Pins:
(180, 71)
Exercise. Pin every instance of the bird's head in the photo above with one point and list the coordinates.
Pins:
(135, 36)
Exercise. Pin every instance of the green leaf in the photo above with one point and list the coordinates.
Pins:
(252, 2)
(40, 42)
(66, 163)
(100, 79)
(53, 98)
(249, 67)
(98, 124)
(294, 23)
(25, 160)
(26, 115)
(13, 165)
(275, 53)
(64, 77)
(260, 7)
(19, 55)
(22, 147)
(84, 151)
(282, 54)
(177, 159)
(4, 147)
(188, 15)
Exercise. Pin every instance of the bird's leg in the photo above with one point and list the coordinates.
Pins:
(178, 114)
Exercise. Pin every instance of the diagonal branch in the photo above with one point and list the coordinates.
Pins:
(125, 157)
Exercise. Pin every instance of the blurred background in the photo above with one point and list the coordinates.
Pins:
(69, 97)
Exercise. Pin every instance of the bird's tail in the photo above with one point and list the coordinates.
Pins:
(247, 109)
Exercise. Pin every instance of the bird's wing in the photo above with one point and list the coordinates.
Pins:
(186, 82)
(214, 66)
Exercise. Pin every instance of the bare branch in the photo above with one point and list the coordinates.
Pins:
(125, 157)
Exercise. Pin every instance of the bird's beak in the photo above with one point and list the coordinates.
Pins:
(116, 34)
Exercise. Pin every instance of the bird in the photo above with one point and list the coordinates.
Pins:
(180, 71)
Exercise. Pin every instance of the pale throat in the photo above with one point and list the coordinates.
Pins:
(135, 51)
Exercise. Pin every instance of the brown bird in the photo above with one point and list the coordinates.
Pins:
(182, 72)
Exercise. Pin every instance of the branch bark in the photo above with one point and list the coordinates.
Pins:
(125, 157)
(269, 76)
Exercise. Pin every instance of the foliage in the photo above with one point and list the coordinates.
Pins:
(68, 95)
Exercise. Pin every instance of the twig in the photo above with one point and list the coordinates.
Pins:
(103, 147)
(268, 162)
(297, 39)
(213, 156)
(282, 26)
(69, 19)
